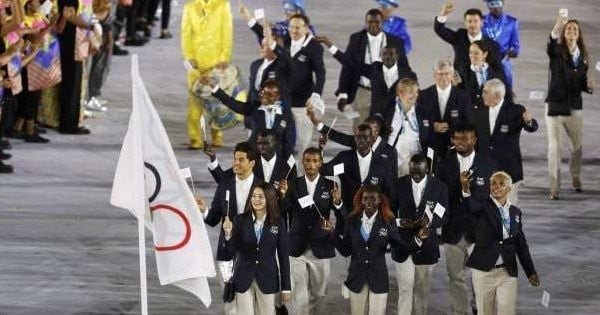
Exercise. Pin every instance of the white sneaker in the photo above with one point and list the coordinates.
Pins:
(94, 105)
(101, 101)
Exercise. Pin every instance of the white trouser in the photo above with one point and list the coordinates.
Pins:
(367, 303)
(495, 289)
(309, 281)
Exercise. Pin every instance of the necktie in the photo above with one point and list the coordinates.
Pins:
(482, 76)
(363, 231)
(505, 220)
(258, 232)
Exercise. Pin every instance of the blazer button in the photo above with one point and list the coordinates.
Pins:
(367, 247)
(366, 261)
(257, 248)
(500, 242)
(256, 262)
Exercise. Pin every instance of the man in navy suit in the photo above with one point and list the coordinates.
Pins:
(457, 230)
(499, 240)
(365, 47)
(312, 200)
(383, 74)
(305, 56)
(446, 106)
(269, 113)
(380, 135)
(230, 201)
(360, 166)
(499, 124)
(462, 38)
(422, 201)
(271, 167)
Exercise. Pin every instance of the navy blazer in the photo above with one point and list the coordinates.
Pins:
(278, 70)
(220, 208)
(367, 263)
(435, 192)
(381, 95)
(380, 173)
(489, 242)
(282, 125)
(305, 227)
(259, 260)
(459, 222)
(280, 171)
(567, 81)
(384, 150)
(469, 83)
(459, 39)
(458, 111)
(306, 62)
(354, 58)
(503, 143)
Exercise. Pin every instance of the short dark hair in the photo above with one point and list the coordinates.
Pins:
(465, 127)
(267, 133)
(312, 150)
(473, 11)
(270, 83)
(374, 12)
(363, 127)
(302, 17)
(390, 46)
(384, 128)
(418, 158)
(247, 148)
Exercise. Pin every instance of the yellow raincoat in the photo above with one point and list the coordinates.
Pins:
(207, 39)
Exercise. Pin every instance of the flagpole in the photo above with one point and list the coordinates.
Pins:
(142, 250)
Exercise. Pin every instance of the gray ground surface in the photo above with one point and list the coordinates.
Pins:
(65, 250)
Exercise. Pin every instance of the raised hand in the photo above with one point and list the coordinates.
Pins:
(244, 11)
(447, 8)
(336, 194)
(201, 203)
(227, 226)
(210, 151)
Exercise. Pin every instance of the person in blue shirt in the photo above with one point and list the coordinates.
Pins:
(393, 24)
(504, 30)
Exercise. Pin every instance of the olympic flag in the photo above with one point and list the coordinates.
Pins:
(148, 183)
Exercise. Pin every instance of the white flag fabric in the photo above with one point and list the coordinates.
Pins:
(147, 182)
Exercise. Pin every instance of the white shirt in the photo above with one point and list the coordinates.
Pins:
(475, 38)
(376, 143)
(418, 189)
(268, 167)
(466, 162)
(505, 214)
(390, 75)
(481, 73)
(260, 72)
(258, 223)
(406, 131)
(493, 115)
(373, 53)
(364, 163)
(443, 96)
(296, 45)
(311, 186)
(270, 112)
(242, 190)
(367, 223)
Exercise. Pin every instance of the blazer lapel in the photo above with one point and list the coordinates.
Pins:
(500, 118)
(451, 100)
(375, 229)
(494, 217)
(515, 220)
